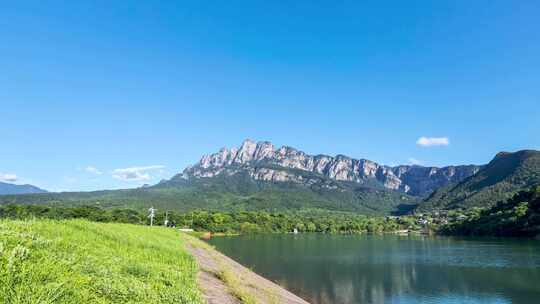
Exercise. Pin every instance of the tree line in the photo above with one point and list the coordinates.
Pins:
(518, 216)
(218, 222)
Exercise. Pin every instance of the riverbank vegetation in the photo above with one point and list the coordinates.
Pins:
(77, 261)
(223, 222)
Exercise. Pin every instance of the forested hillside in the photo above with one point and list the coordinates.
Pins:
(505, 175)
(518, 216)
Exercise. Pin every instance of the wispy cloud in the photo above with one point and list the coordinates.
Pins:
(8, 177)
(135, 173)
(432, 141)
(414, 161)
(93, 170)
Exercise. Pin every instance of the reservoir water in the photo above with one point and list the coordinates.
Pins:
(343, 269)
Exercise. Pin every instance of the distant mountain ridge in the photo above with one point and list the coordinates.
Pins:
(262, 161)
(258, 176)
(7, 189)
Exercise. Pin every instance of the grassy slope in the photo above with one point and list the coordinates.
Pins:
(83, 262)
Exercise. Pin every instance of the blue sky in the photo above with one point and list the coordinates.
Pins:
(90, 90)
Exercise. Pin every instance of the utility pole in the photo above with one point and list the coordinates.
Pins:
(152, 214)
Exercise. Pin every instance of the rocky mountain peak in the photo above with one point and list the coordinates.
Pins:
(262, 161)
(264, 149)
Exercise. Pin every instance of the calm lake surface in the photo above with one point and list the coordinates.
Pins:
(393, 269)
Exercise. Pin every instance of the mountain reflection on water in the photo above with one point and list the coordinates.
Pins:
(393, 269)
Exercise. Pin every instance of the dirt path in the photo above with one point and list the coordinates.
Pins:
(224, 281)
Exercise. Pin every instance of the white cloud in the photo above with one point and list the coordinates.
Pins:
(414, 161)
(93, 170)
(8, 177)
(432, 141)
(135, 173)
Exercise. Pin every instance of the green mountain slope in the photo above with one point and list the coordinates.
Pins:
(499, 180)
(236, 192)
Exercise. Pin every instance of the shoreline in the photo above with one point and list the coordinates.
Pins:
(222, 280)
(207, 235)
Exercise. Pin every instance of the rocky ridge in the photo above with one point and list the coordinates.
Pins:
(264, 162)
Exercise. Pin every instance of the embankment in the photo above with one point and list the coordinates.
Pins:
(224, 281)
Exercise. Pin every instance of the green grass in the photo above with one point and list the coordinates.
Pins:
(76, 261)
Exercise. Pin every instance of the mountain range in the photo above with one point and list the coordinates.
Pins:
(262, 161)
(6, 188)
(259, 176)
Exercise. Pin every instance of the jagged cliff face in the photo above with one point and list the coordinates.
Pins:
(262, 161)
